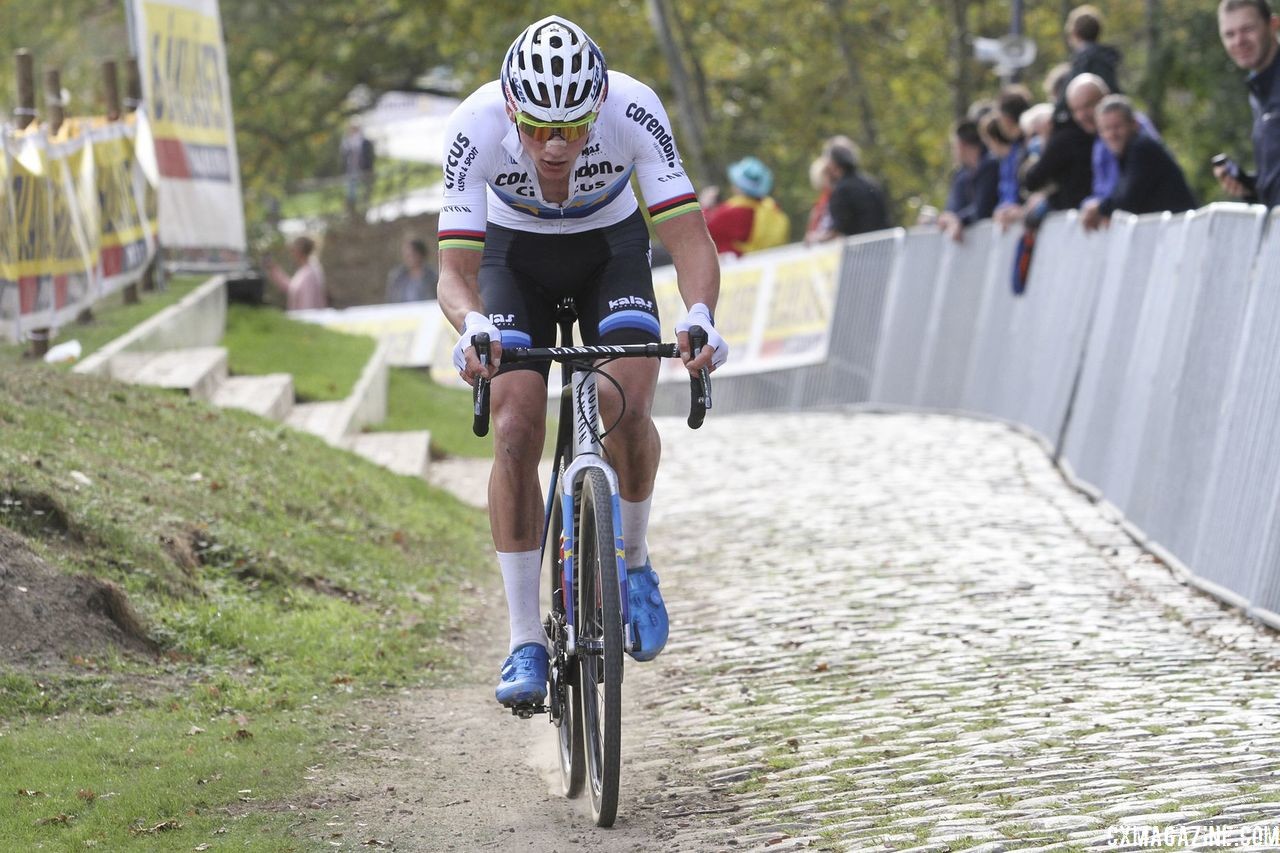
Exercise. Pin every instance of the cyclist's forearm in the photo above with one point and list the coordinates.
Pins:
(458, 289)
(694, 256)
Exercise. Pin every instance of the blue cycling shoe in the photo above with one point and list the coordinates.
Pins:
(524, 676)
(648, 614)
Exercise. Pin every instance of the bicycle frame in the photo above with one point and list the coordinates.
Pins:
(587, 454)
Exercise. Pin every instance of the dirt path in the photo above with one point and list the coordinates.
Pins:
(448, 769)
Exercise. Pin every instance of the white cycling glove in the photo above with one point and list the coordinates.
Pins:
(699, 315)
(473, 324)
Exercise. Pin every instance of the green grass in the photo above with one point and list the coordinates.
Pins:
(415, 402)
(284, 580)
(392, 180)
(112, 318)
(325, 364)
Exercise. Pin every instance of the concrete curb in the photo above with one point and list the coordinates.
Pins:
(197, 320)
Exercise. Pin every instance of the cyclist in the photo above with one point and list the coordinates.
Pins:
(538, 206)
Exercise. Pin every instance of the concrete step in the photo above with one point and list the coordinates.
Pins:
(330, 421)
(406, 453)
(269, 396)
(197, 370)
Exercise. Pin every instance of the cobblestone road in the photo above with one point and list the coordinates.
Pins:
(905, 632)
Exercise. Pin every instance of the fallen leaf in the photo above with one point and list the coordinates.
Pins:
(81, 478)
(243, 734)
(63, 819)
(374, 842)
(196, 477)
(87, 795)
(341, 679)
(195, 730)
(23, 792)
(822, 667)
(163, 826)
(201, 847)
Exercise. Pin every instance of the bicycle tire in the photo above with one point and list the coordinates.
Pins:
(573, 767)
(599, 620)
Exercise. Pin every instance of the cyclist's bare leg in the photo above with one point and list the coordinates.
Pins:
(633, 445)
(519, 410)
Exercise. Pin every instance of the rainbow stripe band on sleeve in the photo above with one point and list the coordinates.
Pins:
(671, 208)
(473, 240)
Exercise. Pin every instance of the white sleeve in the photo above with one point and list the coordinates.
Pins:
(667, 191)
(462, 217)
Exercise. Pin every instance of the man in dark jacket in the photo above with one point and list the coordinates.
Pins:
(1065, 170)
(1083, 29)
(1248, 29)
(975, 185)
(1150, 179)
(857, 203)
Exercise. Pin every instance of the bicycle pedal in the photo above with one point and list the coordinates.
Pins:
(525, 710)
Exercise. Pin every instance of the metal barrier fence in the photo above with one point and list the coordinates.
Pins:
(1142, 356)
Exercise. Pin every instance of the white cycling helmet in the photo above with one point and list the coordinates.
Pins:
(554, 71)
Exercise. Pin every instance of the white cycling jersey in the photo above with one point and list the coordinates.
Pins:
(488, 178)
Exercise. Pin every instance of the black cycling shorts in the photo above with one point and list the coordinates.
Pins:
(524, 275)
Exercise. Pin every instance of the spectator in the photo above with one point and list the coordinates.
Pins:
(1150, 179)
(1083, 29)
(1064, 171)
(821, 179)
(1055, 82)
(749, 220)
(974, 184)
(1008, 154)
(305, 288)
(414, 280)
(857, 204)
(1248, 29)
(1036, 124)
(357, 165)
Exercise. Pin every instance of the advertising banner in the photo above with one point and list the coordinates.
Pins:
(49, 274)
(183, 65)
(125, 238)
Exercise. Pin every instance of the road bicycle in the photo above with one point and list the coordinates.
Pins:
(589, 625)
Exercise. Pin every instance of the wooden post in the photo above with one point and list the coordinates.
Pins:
(53, 99)
(111, 89)
(24, 114)
(133, 100)
(111, 93)
(132, 86)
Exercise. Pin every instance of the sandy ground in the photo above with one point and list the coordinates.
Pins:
(449, 769)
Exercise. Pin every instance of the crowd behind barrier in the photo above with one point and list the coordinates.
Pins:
(1143, 358)
(77, 221)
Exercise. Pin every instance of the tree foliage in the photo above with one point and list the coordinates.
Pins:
(764, 78)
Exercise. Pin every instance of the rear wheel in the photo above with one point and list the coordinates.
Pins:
(569, 724)
(599, 618)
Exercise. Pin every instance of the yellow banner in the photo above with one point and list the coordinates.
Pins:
(186, 69)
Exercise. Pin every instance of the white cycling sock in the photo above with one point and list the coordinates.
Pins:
(635, 526)
(521, 575)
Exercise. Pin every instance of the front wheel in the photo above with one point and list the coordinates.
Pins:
(569, 726)
(600, 641)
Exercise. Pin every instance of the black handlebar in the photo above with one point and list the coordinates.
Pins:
(480, 399)
(700, 387)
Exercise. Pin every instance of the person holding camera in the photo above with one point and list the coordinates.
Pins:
(1248, 29)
